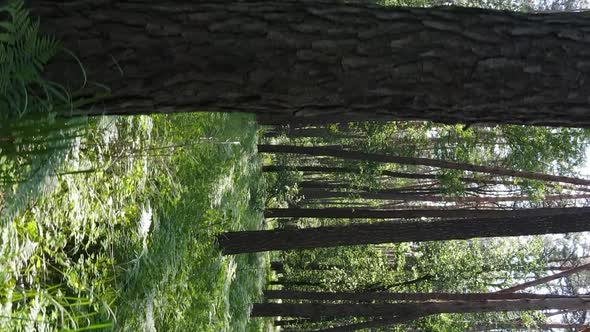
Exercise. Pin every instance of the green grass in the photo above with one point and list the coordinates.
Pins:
(119, 235)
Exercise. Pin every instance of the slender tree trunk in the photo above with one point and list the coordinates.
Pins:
(393, 174)
(375, 323)
(278, 267)
(546, 279)
(568, 260)
(547, 326)
(402, 175)
(416, 213)
(357, 155)
(321, 267)
(387, 232)
(446, 64)
(288, 322)
(329, 184)
(386, 296)
(385, 195)
(484, 199)
(422, 188)
(288, 282)
(318, 310)
(521, 325)
(417, 197)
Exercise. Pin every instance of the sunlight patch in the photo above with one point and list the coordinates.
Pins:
(223, 186)
(145, 222)
(230, 275)
(149, 323)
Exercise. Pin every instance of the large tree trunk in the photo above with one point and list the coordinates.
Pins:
(389, 232)
(326, 60)
(384, 158)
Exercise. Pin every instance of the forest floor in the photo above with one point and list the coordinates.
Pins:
(119, 233)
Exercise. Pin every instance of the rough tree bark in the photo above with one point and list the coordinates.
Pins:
(301, 59)
(388, 232)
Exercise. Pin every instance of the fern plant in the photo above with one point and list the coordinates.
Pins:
(23, 56)
(31, 133)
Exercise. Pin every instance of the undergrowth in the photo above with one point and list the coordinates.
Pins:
(122, 236)
(32, 138)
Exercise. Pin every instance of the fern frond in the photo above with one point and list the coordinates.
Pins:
(23, 56)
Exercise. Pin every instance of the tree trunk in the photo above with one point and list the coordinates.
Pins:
(375, 323)
(289, 283)
(446, 64)
(318, 310)
(403, 175)
(278, 267)
(528, 327)
(546, 279)
(386, 296)
(357, 155)
(290, 322)
(418, 197)
(416, 213)
(388, 232)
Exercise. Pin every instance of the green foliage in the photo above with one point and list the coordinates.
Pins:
(476, 265)
(123, 234)
(23, 56)
(67, 232)
(554, 150)
(282, 188)
(354, 268)
(32, 138)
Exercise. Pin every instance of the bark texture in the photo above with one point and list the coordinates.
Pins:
(388, 232)
(311, 60)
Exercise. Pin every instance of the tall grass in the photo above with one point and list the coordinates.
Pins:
(33, 143)
(187, 284)
(57, 245)
(123, 235)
